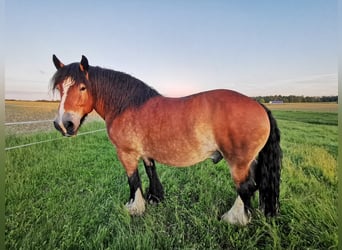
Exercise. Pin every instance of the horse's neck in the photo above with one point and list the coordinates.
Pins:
(100, 108)
(99, 103)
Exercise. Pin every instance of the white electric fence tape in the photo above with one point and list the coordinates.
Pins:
(28, 122)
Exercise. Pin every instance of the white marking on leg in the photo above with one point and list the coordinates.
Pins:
(237, 215)
(68, 82)
(136, 206)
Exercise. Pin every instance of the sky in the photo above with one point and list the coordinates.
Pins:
(256, 47)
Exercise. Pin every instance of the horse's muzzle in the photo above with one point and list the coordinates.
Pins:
(67, 128)
(69, 123)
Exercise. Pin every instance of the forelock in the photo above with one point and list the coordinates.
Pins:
(71, 71)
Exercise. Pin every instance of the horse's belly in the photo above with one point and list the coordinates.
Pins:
(181, 160)
(182, 154)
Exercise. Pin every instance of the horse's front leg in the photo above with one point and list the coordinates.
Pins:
(155, 193)
(136, 203)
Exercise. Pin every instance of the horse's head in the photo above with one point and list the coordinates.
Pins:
(72, 83)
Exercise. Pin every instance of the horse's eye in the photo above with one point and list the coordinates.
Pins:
(83, 88)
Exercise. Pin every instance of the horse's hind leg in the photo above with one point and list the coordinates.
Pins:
(244, 178)
(155, 192)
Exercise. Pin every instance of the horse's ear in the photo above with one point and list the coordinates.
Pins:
(84, 65)
(57, 62)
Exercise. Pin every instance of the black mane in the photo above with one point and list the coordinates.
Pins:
(117, 90)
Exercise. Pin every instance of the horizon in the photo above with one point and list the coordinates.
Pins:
(256, 48)
(254, 97)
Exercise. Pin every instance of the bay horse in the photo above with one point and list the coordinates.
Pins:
(143, 124)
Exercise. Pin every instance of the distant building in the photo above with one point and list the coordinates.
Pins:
(276, 102)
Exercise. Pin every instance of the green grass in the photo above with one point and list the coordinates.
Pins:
(70, 194)
(328, 118)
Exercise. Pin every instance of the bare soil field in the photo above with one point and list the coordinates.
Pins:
(315, 107)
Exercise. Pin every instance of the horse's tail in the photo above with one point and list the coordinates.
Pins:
(268, 170)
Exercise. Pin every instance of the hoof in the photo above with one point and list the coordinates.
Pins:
(136, 206)
(153, 199)
(237, 214)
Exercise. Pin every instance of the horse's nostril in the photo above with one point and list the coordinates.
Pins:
(56, 125)
(69, 126)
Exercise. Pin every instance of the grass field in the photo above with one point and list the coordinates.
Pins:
(70, 194)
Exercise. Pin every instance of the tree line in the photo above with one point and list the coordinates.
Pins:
(294, 98)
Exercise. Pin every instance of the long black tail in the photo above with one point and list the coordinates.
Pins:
(268, 170)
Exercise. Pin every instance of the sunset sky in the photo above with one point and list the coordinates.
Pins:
(257, 47)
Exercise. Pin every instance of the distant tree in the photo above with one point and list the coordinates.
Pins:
(296, 99)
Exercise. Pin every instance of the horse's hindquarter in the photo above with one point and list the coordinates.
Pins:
(241, 127)
(184, 131)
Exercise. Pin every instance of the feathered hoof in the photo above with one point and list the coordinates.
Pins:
(136, 207)
(237, 214)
